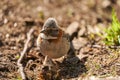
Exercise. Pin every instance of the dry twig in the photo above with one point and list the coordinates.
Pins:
(19, 63)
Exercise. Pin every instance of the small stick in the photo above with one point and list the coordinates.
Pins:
(19, 63)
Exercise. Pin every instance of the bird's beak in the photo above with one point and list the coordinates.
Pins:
(42, 31)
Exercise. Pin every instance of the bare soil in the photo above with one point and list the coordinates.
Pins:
(92, 56)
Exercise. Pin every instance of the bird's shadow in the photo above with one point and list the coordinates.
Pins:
(72, 66)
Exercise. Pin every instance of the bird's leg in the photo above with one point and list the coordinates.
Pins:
(47, 63)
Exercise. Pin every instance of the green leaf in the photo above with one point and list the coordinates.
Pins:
(112, 36)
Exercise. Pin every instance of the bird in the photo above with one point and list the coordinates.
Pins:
(52, 41)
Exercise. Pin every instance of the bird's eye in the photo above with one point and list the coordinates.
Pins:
(57, 30)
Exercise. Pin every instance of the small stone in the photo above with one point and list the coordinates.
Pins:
(78, 43)
(81, 56)
(82, 31)
(72, 28)
(29, 22)
(5, 21)
(14, 48)
(106, 3)
(84, 50)
(7, 36)
(15, 24)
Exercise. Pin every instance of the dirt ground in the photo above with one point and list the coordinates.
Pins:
(87, 17)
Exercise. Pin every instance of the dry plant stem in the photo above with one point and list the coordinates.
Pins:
(19, 63)
(45, 60)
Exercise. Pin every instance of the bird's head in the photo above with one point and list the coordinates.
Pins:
(50, 29)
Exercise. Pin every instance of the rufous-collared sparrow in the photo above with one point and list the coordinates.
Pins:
(52, 41)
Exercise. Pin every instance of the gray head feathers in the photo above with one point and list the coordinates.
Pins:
(50, 22)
